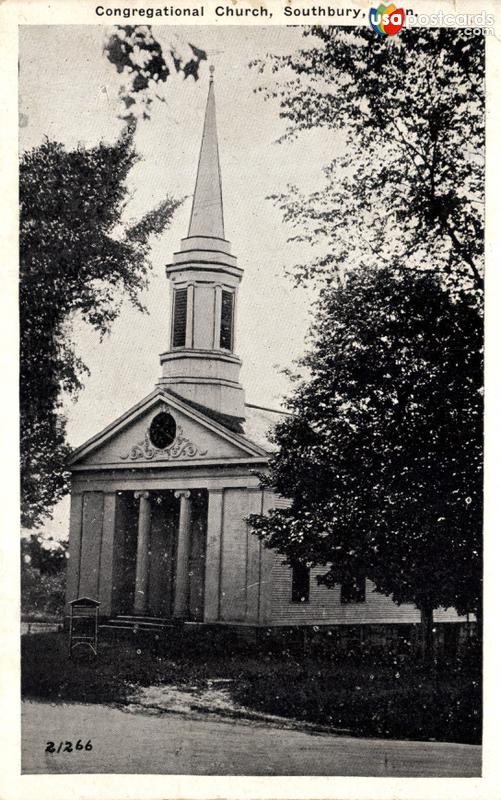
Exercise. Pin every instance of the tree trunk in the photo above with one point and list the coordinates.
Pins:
(480, 623)
(427, 635)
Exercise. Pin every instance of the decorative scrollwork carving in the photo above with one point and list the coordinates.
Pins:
(180, 449)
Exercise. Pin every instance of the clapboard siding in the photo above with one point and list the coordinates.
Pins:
(325, 607)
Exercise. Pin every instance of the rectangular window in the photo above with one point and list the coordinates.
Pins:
(353, 591)
(226, 333)
(300, 583)
(180, 313)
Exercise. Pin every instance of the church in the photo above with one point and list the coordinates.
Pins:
(160, 498)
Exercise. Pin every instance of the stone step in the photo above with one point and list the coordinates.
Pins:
(136, 618)
(144, 624)
(109, 628)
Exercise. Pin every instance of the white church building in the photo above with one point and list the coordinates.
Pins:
(160, 497)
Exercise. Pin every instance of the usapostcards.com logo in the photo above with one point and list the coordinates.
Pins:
(386, 20)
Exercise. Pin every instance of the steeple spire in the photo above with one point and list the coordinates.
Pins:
(201, 364)
(207, 210)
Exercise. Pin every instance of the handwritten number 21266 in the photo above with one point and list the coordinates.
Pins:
(68, 747)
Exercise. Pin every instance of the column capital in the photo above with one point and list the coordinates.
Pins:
(142, 494)
(182, 493)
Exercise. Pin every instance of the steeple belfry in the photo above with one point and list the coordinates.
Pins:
(200, 364)
(207, 209)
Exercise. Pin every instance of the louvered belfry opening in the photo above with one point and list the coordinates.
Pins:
(226, 335)
(179, 318)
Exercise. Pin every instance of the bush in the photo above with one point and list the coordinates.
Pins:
(42, 595)
(43, 577)
(402, 702)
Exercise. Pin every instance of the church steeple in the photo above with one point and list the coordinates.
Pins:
(207, 209)
(200, 364)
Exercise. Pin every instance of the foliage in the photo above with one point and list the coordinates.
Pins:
(371, 698)
(78, 259)
(138, 55)
(382, 455)
(409, 184)
(47, 555)
(43, 575)
(42, 594)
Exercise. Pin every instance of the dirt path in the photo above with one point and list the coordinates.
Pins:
(170, 743)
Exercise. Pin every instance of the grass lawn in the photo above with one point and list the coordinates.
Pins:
(369, 697)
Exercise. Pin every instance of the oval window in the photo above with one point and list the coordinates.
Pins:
(162, 430)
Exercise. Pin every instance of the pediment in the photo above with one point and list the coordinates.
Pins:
(127, 441)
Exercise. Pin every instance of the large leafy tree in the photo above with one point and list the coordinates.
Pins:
(408, 181)
(382, 454)
(78, 259)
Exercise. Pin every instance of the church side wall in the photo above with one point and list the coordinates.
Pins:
(325, 607)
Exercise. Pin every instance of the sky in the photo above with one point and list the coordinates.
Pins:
(68, 92)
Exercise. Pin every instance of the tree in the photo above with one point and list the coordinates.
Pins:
(410, 182)
(138, 55)
(74, 262)
(382, 454)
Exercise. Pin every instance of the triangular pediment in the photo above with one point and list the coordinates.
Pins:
(127, 442)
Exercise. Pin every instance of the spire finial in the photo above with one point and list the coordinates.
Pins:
(212, 69)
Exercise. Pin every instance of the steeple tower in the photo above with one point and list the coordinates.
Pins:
(201, 365)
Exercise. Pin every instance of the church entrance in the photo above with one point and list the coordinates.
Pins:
(160, 554)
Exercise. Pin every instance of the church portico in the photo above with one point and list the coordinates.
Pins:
(159, 552)
(149, 556)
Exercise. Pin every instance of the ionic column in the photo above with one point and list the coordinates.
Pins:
(183, 554)
(143, 546)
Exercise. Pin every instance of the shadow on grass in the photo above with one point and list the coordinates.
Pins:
(376, 696)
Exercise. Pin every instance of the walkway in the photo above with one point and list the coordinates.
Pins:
(125, 742)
